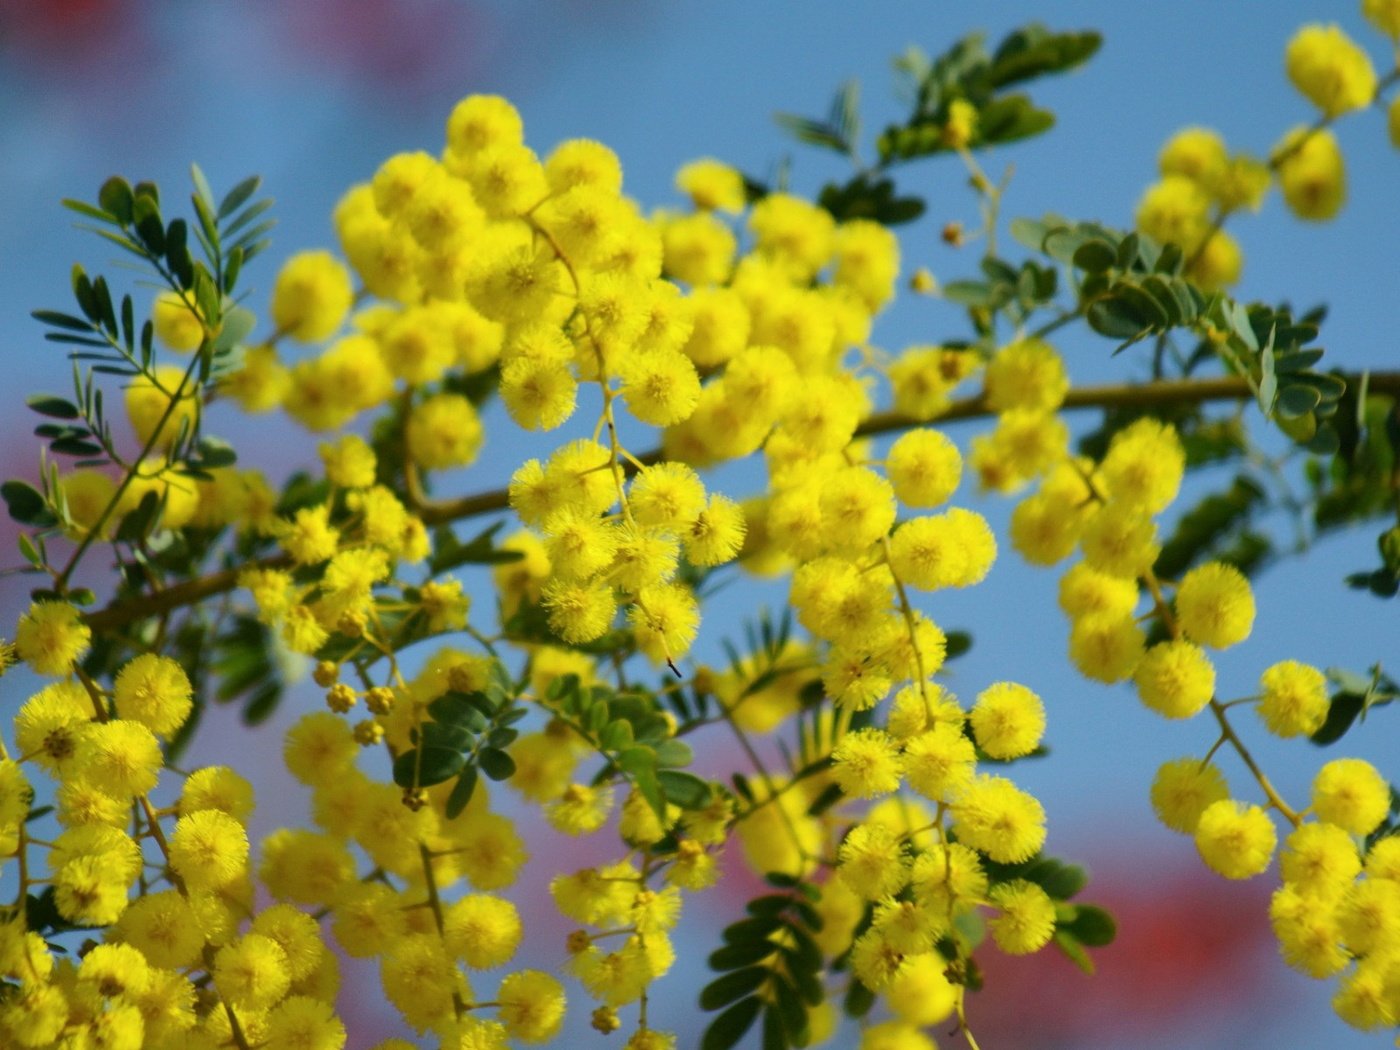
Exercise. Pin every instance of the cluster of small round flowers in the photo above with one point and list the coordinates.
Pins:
(140, 987)
(917, 884)
(343, 554)
(1198, 176)
(1025, 382)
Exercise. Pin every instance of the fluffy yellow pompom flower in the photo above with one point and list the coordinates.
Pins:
(1215, 606)
(1183, 788)
(1176, 679)
(1106, 646)
(580, 810)
(481, 930)
(208, 849)
(531, 1006)
(349, 462)
(177, 324)
(119, 758)
(1045, 528)
(1085, 590)
(164, 928)
(666, 495)
(997, 818)
(319, 747)
(251, 972)
(481, 121)
(1027, 917)
(866, 764)
(1174, 210)
(261, 383)
(155, 691)
(579, 611)
(1144, 464)
(1293, 699)
(1026, 374)
(1196, 153)
(940, 762)
(1311, 173)
(444, 431)
(926, 553)
(1350, 793)
(1217, 263)
(857, 508)
(660, 388)
(920, 994)
(296, 933)
(924, 467)
(793, 232)
(871, 862)
(538, 394)
(303, 1022)
(1329, 70)
(1384, 15)
(1235, 839)
(717, 533)
(712, 185)
(147, 401)
(1008, 720)
(1121, 540)
(311, 296)
(1319, 860)
(51, 637)
(86, 494)
(664, 618)
(699, 249)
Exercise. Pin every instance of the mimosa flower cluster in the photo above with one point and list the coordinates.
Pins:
(738, 325)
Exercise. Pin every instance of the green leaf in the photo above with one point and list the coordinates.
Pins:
(1011, 118)
(56, 319)
(1114, 318)
(1032, 52)
(791, 1011)
(637, 759)
(859, 999)
(674, 753)
(116, 199)
(1029, 233)
(1095, 256)
(812, 132)
(729, 1027)
(969, 293)
(26, 504)
(461, 793)
(736, 956)
(496, 764)
(55, 407)
(1074, 951)
(29, 551)
(684, 789)
(1092, 925)
(732, 986)
(616, 736)
(1062, 881)
(238, 196)
(1341, 714)
(437, 764)
(1296, 400)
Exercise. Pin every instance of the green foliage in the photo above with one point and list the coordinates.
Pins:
(465, 733)
(770, 965)
(1353, 696)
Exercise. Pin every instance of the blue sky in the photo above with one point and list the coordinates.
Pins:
(294, 93)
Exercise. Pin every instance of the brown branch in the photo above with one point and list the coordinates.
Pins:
(1114, 395)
